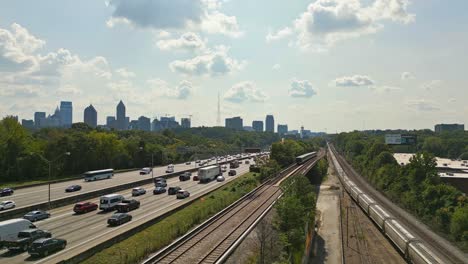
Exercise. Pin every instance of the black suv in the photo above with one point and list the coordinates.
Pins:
(185, 176)
(6, 191)
(44, 246)
(173, 190)
(232, 173)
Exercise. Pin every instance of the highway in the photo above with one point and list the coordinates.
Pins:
(87, 230)
(38, 194)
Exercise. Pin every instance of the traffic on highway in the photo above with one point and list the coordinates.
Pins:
(73, 228)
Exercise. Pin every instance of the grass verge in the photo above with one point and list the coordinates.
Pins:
(139, 246)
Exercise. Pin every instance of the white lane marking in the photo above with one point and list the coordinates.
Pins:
(200, 191)
(94, 227)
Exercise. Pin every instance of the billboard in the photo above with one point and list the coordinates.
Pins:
(400, 139)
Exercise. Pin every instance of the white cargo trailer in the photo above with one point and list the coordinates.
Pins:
(209, 173)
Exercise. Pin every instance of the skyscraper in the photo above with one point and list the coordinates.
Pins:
(66, 114)
(282, 129)
(28, 124)
(90, 116)
(234, 123)
(185, 122)
(111, 122)
(121, 118)
(38, 116)
(257, 126)
(144, 123)
(270, 123)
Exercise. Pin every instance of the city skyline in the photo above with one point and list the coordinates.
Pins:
(361, 64)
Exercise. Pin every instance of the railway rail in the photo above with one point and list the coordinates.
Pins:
(209, 242)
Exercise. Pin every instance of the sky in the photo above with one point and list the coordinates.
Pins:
(327, 65)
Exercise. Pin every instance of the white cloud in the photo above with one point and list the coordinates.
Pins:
(243, 92)
(276, 66)
(161, 88)
(20, 91)
(187, 42)
(124, 73)
(69, 90)
(431, 85)
(326, 22)
(452, 100)
(355, 80)
(280, 34)
(407, 76)
(212, 63)
(301, 89)
(422, 105)
(386, 89)
(204, 15)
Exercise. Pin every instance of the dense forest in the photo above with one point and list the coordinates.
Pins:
(23, 153)
(416, 186)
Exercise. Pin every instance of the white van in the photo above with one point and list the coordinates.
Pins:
(9, 229)
(170, 169)
(108, 202)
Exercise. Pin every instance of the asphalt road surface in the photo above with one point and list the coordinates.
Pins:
(87, 230)
(38, 194)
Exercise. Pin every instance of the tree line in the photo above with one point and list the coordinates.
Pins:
(23, 153)
(416, 186)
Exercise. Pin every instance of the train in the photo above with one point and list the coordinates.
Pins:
(305, 157)
(411, 248)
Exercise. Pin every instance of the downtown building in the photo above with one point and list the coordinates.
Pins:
(257, 126)
(90, 116)
(270, 123)
(282, 129)
(234, 123)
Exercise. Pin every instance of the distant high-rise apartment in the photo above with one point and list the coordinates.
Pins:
(257, 126)
(90, 116)
(449, 127)
(234, 123)
(270, 123)
(121, 119)
(27, 123)
(38, 116)
(111, 122)
(66, 114)
(185, 122)
(144, 123)
(282, 129)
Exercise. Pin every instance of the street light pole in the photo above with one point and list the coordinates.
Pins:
(152, 164)
(49, 162)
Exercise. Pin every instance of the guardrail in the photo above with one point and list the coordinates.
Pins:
(20, 211)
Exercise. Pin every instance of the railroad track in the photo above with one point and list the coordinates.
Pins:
(209, 242)
(441, 248)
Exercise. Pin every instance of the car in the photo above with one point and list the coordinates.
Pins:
(160, 184)
(198, 161)
(25, 239)
(224, 168)
(6, 191)
(220, 178)
(36, 215)
(182, 194)
(138, 191)
(145, 171)
(45, 246)
(84, 207)
(185, 176)
(173, 190)
(188, 163)
(196, 178)
(232, 173)
(118, 219)
(73, 188)
(127, 205)
(247, 162)
(159, 190)
(7, 205)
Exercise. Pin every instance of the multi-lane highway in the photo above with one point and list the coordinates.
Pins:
(38, 194)
(87, 230)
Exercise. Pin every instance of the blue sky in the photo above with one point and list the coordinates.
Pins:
(328, 65)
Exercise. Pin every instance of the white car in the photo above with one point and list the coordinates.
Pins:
(220, 178)
(138, 191)
(7, 205)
